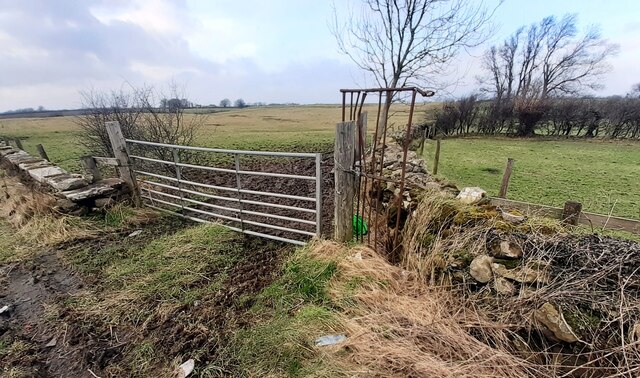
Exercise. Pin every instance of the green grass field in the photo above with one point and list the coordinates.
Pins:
(603, 175)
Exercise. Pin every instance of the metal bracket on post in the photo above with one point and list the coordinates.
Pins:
(121, 153)
(237, 163)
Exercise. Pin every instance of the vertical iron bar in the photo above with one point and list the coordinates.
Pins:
(373, 170)
(384, 142)
(355, 108)
(176, 160)
(363, 162)
(358, 166)
(240, 214)
(405, 148)
(351, 108)
(319, 195)
(344, 105)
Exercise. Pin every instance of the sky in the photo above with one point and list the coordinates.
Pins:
(262, 51)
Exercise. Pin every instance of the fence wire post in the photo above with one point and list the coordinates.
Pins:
(504, 186)
(176, 160)
(237, 161)
(319, 195)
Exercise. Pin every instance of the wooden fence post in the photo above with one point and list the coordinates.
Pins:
(344, 154)
(436, 160)
(571, 212)
(89, 164)
(18, 143)
(505, 179)
(42, 152)
(120, 152)
(424, 137)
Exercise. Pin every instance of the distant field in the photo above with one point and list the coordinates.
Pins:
(603, 175)
(293, 128)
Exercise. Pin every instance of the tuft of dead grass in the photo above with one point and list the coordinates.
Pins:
(30, 213)
(398, 326)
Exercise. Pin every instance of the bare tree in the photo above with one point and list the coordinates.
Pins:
(545, 60)
(138, 118)
(225, 103)
(410, 42)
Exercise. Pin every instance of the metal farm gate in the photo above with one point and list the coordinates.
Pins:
(207, 184)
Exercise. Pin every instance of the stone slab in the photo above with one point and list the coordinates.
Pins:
(18, 156)
(40, 174)
(99, 189)
(40, 163)
(66, 181)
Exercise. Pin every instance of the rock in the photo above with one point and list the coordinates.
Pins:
(512, 218)
(66, 181)
(65, 206)
(99, 189)
(519, 274)
(504, 286)
(4, 309)
(40, 174)
(33, 165)
(508, 250)
(634, 333)
(52, 343)
(480, 268)
(17, 156)
(553, 319)
(104, 202)
(432, 185)
(471, 195)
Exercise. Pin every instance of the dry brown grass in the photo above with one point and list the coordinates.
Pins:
(592, 279)
(31, 213)
(398, 326)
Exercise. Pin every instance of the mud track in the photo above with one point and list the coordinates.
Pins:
(60, 342)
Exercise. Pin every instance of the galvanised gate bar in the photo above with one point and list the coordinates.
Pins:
(240, 209)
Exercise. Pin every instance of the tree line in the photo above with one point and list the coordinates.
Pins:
(533, 83)
(612, 117)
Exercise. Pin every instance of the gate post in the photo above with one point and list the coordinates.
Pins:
(121, 154)
(344, 154)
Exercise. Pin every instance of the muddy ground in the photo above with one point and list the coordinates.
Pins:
(47, 336)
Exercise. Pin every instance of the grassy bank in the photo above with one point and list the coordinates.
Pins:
(603, 175)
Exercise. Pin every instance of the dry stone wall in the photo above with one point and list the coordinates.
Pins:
(75, 193)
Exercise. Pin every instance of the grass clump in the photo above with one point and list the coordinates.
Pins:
(291, 313)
